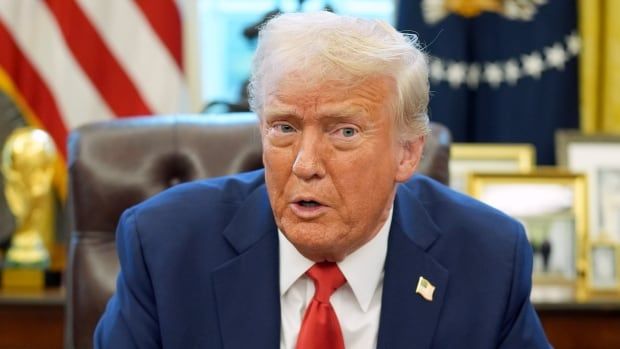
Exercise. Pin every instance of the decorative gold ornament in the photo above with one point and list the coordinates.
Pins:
(472, 8)
(523, 10)
(27, 164)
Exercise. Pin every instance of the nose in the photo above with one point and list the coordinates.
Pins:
(308, 162)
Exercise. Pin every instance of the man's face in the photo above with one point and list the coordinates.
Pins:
(332, 160)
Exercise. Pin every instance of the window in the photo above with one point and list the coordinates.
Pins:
(227, 54)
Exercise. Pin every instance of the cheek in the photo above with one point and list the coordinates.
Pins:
(350, 177)
(274, 158)
(278, 166)
(364, 178)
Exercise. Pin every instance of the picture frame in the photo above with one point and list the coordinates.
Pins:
(466, 158)
(552, 207)
(598, 156)
(603, 268)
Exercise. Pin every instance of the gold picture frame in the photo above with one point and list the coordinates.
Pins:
(603, 262)
(596, 155)
(552, 207)
(466, 158)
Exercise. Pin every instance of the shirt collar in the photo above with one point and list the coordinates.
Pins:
(292, 263)
(363, 268)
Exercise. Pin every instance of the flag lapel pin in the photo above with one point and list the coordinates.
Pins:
(425, 289)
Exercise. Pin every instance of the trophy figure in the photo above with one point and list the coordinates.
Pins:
(28, 167)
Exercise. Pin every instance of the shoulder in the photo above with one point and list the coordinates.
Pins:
(192, 213)
(215, 191)
(208, 196)
(476, 241)
(454, 212)
(472, 235)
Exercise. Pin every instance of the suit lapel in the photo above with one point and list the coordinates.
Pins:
(247, 287)
(407, 319)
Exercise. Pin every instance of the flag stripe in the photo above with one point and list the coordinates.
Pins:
(96, 60)
(37, 35)
(64, 66)
(165, 19)
(123, 26)
(34, 91)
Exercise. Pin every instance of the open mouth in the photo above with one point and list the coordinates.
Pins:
(306, 208)
(308, 203)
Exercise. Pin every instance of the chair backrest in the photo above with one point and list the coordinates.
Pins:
(117, 164)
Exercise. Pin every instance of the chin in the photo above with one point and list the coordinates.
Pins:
(319, 255)
(315, 240)
(318, 251)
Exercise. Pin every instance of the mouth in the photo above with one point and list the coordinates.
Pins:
(308, 203)
(307, 208)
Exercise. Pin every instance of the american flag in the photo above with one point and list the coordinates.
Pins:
(64, 63)
(425, 289)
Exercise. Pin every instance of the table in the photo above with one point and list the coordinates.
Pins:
(36, 320)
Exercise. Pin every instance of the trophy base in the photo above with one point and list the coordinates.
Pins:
(23, 278)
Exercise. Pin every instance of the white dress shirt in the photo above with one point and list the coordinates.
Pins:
(357, 303)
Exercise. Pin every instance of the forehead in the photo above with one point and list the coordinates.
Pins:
(293, 93)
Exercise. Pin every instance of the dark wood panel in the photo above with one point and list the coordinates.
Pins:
(579, 329)
(32, 319)
(31, 326)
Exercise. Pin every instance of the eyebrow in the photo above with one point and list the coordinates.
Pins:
(328, 112)
(276, 112)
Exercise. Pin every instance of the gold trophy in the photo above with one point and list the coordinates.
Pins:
(28, 167)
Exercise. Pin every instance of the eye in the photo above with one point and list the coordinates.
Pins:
(284, 128)
(348, 132)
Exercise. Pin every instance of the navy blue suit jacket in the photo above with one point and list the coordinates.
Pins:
(199, 269)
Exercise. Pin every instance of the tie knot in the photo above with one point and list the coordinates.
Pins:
(327, 278)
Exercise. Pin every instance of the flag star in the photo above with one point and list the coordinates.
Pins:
(456, 74)
(556, 56)
(511, 10)
(521, 10)
(473, 75)
(493, 74)
(527, 12)
(512, 72)
(437, 70)
(533, 65)
(433, 10)
(573, 43)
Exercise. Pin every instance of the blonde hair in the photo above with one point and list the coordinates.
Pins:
(327, 47)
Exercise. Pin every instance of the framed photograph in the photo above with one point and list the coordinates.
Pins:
(552, 207)
(466, 158)
(603, 265)
(598, 156)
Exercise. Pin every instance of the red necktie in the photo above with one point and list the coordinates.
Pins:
(320, 328)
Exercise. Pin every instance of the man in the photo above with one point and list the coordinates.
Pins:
(331, 246)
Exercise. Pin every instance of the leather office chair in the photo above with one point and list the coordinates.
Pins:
(116, 164)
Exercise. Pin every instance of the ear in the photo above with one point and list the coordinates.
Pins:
(410, 156)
